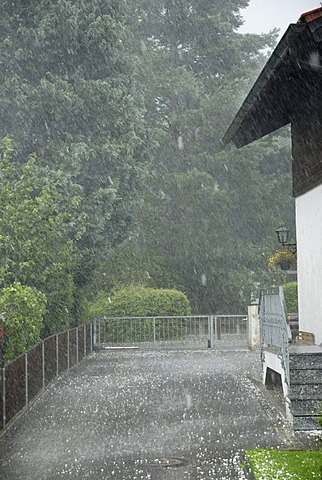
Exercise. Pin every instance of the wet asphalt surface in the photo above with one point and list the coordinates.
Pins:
(155, 415)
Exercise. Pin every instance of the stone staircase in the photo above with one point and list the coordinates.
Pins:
(305, 392)
(302, 394)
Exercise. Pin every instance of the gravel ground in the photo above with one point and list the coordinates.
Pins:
(145, 415)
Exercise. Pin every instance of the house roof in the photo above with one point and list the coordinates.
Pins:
(284, 85)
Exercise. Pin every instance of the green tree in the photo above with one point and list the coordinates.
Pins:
(68, 95)
(192, 59)
(22, 308)
(127, 102)
(41, 223)
(207, 216)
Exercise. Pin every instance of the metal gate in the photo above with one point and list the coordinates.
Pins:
(186, 332)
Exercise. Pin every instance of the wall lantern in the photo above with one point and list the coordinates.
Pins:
(282, 234)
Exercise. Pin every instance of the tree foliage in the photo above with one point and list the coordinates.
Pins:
(206, 216)
(116, 111)
(68, 96)
(22, 308)
(41, 222)
(71, 106)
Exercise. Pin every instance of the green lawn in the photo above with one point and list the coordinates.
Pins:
(285, 464)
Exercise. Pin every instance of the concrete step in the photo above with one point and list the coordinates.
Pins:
(304, 361)
(305, 406)
(305, 376)
(306, 422)
(309, 390)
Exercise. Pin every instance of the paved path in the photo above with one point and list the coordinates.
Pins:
(144, 415)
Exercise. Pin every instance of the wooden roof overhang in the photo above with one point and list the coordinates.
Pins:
(289, 90)
(291, 78)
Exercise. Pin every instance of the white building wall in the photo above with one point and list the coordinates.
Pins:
(309, 261)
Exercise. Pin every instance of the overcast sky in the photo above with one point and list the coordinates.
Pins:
(264, 15)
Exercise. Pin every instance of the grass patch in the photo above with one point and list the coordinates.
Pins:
(285, 464)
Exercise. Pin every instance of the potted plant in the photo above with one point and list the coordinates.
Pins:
(282, 258)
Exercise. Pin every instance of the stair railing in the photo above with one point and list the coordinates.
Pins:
(275, 331)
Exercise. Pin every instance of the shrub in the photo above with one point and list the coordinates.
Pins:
(290, 295)
(23, 308)
(141, 302)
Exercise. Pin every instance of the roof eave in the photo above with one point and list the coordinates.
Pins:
(235, 132)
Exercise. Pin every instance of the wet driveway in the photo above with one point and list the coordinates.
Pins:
(144, 415)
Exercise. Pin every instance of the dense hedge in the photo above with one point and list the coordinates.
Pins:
(140, 302)
(290, 295)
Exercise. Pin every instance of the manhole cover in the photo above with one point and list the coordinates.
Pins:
(168, 462)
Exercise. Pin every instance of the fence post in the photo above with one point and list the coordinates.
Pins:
(253, 327)
(91, 335)
(57, 355)
(216, 328)
(84, 333)
(4, 408)
(94, 331)
(238, 326)
(26, 379)
(211, 331)
(68, 350)
(43, 363)
(154, 336)
(76, 330)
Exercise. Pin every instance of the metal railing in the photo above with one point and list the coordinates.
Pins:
(275, 331)
(25, 377)
(231, 325)
(127, 331)
(193, 331)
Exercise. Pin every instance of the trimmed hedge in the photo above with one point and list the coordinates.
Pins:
(141, 302)
(290, 295)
